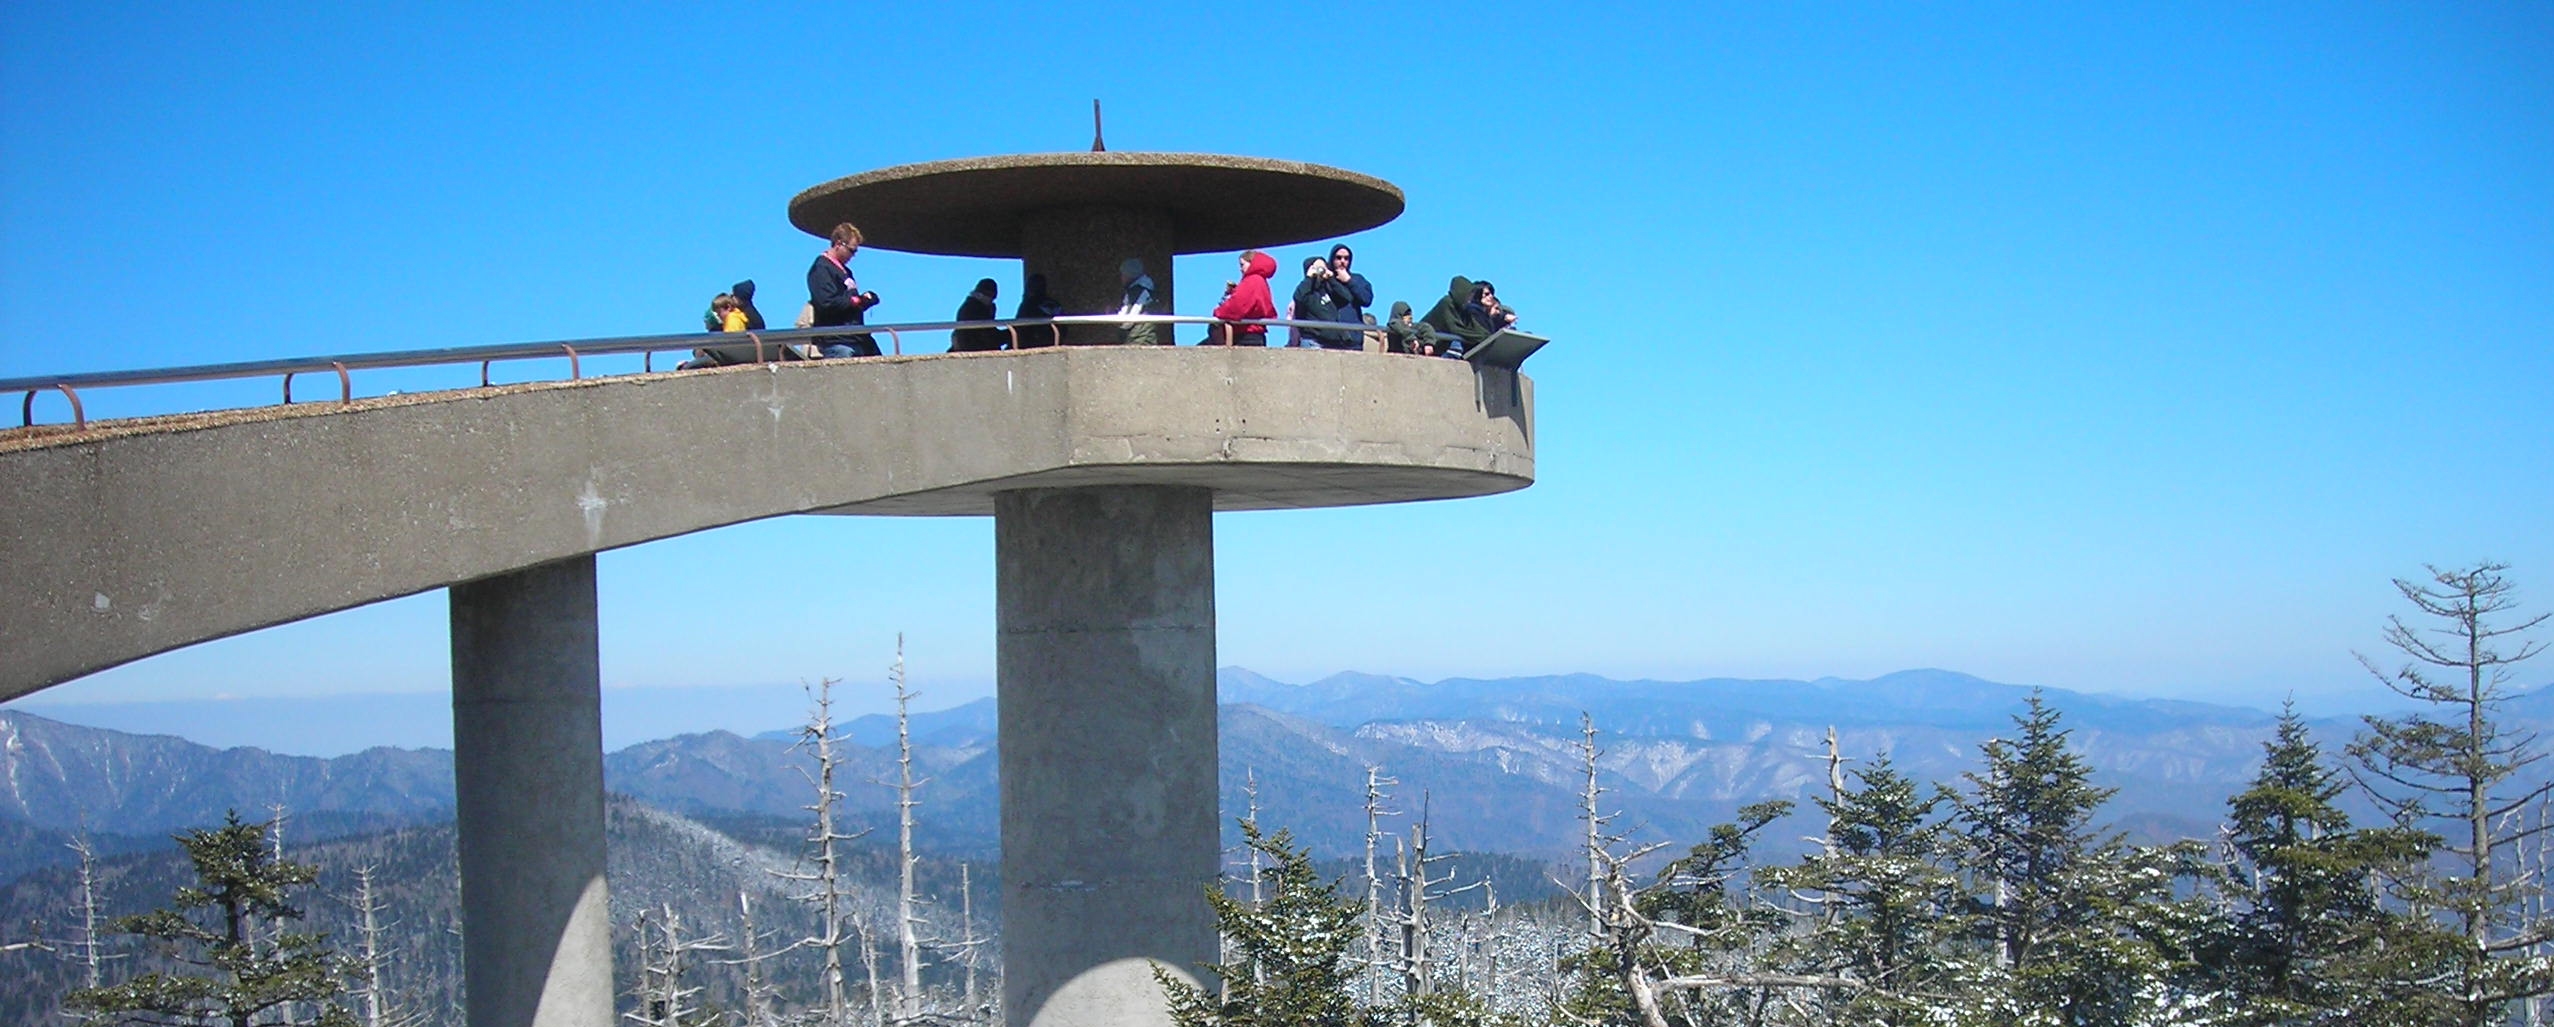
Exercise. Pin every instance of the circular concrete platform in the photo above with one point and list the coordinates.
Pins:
(975, 207)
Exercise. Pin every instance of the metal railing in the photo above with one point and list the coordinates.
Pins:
(343, 366)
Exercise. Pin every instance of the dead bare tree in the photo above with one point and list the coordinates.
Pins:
(1627, 933)
(758, 1010)
(1417, 888)
(968, 943)
(827, 890)
(86, 950)
(1589, 811)
(370, 960)
(1375, 812)
(664, 1000)
(908, 916)
(2467, 769)
(869, 967)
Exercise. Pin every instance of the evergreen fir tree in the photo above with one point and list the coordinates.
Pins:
(2313, 942)
(2028, 826)
(1290, 965)
(1885, 907)
(2086, 930)
(250, 977)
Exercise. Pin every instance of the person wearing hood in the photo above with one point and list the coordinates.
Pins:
(1317, 298)
(978, 306)
(1036, 304)
(1404, 335)
(1359, 293)
(744, 294)
(1137, 298)
(1452, 318)
(1246, 300)
(1486, 309)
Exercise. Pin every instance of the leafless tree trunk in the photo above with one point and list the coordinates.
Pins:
(1417, 888)
(663, 999)
(2455, 766)
(908, 942)
(750, 956)
(869, 966)
(967, 941)
(826, 890)
(288, 1011)
(1374, 880)
(1588, 811)
(371, 960)
(86, 949)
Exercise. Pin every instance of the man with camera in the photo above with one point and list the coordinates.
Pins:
(1318, 298)
(835, 296)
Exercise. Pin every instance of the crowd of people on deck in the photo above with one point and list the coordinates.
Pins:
(1330, 291)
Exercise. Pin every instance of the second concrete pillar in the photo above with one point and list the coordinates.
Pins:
(1106, 607)
(527, 741)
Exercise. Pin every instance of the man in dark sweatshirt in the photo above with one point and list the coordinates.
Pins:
(837, 298)
(1317, 298)
(1360, 293)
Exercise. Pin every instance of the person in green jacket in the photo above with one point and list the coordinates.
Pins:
(1455, 324)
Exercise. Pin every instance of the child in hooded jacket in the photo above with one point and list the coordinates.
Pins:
(1247, 300)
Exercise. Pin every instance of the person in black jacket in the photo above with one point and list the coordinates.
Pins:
(1360, 293)
(978, 306)
(837, 298)
(1317, 298)
(744, 293)
(1036, 303)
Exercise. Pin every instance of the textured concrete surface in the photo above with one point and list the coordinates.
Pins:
(1106, 639)
(973, 207)
(118, 543)
(527, 739)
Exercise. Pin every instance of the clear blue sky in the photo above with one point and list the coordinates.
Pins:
(2125, 349)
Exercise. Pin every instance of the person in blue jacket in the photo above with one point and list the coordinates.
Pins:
(1358, 293)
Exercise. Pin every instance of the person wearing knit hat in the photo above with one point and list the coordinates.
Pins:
(1138, 298)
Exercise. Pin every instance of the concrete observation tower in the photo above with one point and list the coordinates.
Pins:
(1102, 466)
(1106, 579)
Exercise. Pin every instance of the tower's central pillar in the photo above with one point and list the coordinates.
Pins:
(1106, 603)
(1079, 250)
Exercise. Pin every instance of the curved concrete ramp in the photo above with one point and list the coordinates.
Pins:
(139, 537)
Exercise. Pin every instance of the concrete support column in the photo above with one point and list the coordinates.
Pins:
(1106, 603)
(527, 740)
(1078, 249)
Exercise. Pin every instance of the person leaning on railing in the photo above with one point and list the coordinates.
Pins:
(1454, 319)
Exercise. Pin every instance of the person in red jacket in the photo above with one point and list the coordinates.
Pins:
(1246, 300)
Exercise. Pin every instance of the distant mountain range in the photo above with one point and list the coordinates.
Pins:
(1494, 763)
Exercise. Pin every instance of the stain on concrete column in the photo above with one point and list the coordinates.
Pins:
(1078, 249)
(1106, 602)
(527, 738)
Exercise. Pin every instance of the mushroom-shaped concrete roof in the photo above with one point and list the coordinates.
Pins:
(972, 207)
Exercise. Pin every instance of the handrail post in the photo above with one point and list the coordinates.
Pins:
(26, 410)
